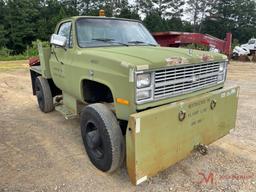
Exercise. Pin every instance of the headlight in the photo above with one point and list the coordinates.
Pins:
(144, 87)
(142, 95)
(143, 80)
(222, 67)
(222, 71)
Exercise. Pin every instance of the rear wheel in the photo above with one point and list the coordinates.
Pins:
(102, 137)
(44, 95)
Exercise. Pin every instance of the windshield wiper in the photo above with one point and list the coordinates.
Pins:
(142, 42)
(107, 40)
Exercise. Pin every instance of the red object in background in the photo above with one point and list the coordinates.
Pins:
(175, 39)
(33, 61)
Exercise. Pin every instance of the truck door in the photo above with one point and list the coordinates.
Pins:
(61, 58)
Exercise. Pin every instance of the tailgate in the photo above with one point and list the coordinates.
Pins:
(160, 137)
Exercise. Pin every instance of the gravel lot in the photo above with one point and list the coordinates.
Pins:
(44, 152)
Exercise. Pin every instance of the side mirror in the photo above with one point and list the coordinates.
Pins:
(58, 40)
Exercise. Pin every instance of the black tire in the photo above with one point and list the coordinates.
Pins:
(44, 95)
(102, 137)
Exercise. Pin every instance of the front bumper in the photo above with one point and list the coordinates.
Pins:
(160, 137)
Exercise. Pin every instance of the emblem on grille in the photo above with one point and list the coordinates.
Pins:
(195, 78)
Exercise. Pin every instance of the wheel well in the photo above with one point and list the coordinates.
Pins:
(54, 90)
(33, 76)
(96, 92)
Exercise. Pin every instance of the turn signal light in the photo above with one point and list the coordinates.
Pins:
(122, 101)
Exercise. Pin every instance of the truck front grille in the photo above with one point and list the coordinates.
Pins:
(181, 80)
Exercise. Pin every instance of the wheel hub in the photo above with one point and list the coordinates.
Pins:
(94, 140)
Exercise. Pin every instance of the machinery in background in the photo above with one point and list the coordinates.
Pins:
(245, 52)
(251, 46)
(241, 53)
(177, 39)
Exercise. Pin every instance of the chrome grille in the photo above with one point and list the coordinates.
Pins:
(180, 80)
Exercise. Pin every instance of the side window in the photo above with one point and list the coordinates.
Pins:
(66, 31)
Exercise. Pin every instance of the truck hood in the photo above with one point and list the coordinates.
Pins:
(148, 57)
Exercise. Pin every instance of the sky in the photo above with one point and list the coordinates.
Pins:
(185, 16)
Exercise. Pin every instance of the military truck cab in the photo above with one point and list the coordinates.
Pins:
(135, 99)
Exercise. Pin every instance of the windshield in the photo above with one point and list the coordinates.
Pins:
(112, 32)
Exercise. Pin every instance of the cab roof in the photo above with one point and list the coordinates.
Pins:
(100, 17)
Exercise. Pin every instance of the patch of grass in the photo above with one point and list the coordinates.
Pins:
(13, 58)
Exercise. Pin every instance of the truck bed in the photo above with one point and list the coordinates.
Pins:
(40, 63)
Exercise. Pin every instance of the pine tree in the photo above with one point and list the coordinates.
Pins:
(198, 9)
(127, 11)
(51, 11)
(165, 8)
(155, 23)
(72, 6)
(169, 8)
(2, 24)
(20, 19)
(236, 16)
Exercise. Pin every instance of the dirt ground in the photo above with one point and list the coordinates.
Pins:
(44, 152)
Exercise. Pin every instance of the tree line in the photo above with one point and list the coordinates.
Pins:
(24, 21)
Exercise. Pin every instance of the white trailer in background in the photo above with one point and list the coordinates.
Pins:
(251, 45)
(242, 52)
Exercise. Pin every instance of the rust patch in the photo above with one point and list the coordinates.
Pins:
(176, 61)
(207, 57)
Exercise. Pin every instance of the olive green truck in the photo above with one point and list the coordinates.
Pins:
(137, 102)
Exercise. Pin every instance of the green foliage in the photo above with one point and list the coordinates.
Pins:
(154, 22)
(28, 20)
(24, 21)
(129, 14)
(196, 46)
(235, 43)
(13, 57)
(4, 52)
(165, 8)
(236, 16)
(127, 11)
(174, 24)
(198, 9)
(7, 55)
(2, 36)
(20, 22)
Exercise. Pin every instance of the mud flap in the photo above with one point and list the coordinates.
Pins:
(160, 137)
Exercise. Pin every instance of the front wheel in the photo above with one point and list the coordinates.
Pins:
(102, 137)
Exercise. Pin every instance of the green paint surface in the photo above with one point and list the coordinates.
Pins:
(157, 139)
(111, 66)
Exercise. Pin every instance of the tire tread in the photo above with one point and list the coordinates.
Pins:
(48, 100)
(114, 133)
